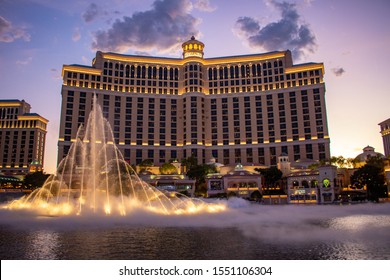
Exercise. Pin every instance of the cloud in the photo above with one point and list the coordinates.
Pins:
(85, 60)
(10, 33)
(338, 71)
(24, 62)
(56, 74)
(204, 5)
(287, 33)
(91, 13)
(76, 35)
(164, 27)
(308, 3)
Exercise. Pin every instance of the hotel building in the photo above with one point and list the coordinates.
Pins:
(385, 131)
(22, 137)
(245, 108)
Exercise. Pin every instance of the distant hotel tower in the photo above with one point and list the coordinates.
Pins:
(22, 137)
(246, 108)
(385, 131)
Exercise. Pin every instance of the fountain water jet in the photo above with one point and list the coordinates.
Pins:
(95, 178)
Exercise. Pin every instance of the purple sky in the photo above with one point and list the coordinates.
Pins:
(350, 37)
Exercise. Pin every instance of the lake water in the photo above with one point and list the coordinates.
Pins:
(244, 231)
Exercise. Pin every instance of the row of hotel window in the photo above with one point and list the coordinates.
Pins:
(263, 156)
(228, 156)
(11, 141)
(245, 79)
(172, 74)
(190, 85)
(173, 88)
(222, 120)
(9, 113)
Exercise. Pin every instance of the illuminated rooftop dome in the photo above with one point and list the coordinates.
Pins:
(367, 153)
(192, 48)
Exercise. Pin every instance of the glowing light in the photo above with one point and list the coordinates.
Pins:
(107, 209)
(192, 54)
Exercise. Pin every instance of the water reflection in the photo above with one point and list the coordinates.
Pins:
(42, 244)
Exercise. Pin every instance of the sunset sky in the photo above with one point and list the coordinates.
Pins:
(351, 38)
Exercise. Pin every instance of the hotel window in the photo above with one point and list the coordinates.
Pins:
(296, 152)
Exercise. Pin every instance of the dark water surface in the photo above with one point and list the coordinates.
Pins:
(250, 232)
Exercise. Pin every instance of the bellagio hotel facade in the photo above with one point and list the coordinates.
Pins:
(246, 108)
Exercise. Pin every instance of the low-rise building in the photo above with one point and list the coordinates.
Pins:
(238, 182)
(314, 186)
(171, 183)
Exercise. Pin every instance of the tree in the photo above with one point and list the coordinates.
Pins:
(35, 180)
(199, 173)
(189, 162)
(339, 161)
(371, 175)
(168, 169)
(271, 175)
(145, 165)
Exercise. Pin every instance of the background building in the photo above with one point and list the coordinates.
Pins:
(246, 108)
(385, 131)
(22, 137)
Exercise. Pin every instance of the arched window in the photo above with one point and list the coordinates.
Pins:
(215, 73)
(195, 67)
(220, 73)
(149, 72)
(305, 184)
(236, 73)
(165, 73)
(254, 70)
(314, 183)
(132, 71)
(138, 71)
(143, 72)
(121, 67)
(275, 64)
(110, 65)
(258, 69)
(210, 74)
(191, 67)
(242, 71)
(269, 65)
(295, 184)
(127, 71)
(160, 73)
(231, 72)
(176, 74)
(171, 74)
(280, 63)
(154, 75)
(225, 72)
(105, 64)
